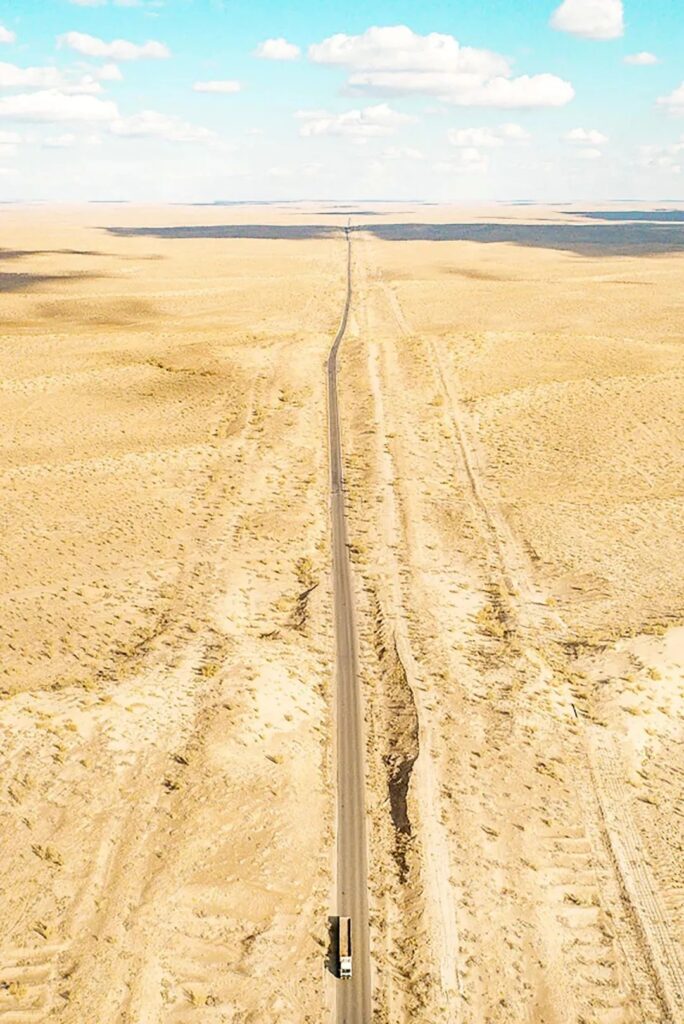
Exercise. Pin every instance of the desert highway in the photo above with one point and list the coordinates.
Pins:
(353, 995)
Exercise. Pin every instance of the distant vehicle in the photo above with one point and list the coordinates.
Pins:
(345, 947)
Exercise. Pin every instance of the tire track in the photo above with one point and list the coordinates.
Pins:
(614, 836)
(630, 863)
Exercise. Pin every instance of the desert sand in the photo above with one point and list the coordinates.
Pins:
(513, 434)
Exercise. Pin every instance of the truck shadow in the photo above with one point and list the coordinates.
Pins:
(332, 959)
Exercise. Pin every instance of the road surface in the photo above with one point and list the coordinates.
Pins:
(354, 995)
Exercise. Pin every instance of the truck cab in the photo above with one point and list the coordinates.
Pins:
(345, 947)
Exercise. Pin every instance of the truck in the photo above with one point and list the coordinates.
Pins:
(345, 946)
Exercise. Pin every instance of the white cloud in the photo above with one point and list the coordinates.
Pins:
(484, 137)
(152, 124)
(586, 137)
(88, 3)
(593, 19)
(663, 158)
(471, 91)
(51, 105)
(8, 143)
(361, 124)
(398, 48)
(487, 138)
(118, 49)
(224, 86)
(395, 59)
(402, 153)
(14, 77)
(64, 141)
(277, 49)
(6, 35)
(644, 58)
(469, 161)
(589, 154)
(516, 132)
(110, 73)
(675, 101)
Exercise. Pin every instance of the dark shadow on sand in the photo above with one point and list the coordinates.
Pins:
(636, 216)
(624, 239)
(268, 231)
(19, 254)
(332, 959)
(26, 282)
(582, 239)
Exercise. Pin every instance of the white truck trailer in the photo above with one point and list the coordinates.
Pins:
(345, 947)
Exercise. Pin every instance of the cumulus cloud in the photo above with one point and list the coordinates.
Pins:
(487, 138)
(663, 158)
(367, 123)
(8, 143)
(14, 77)
(469, 161)
(397, 47)
(118, 49)
(223, 86)
(51, 105)
(514, 132)
(402, 153)
(593, 19)
(64, 141)
(644, 58)
(395, 59)
(110, 73)
(589, 154)
(586, 137)
(674, 103)
(277, 49)
(474, 137)
(154, 125)
(6, 35)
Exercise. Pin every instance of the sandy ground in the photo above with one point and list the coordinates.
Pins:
(512, 421)
(167, 631)
(516, 449)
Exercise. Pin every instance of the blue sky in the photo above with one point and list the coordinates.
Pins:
(174, 100)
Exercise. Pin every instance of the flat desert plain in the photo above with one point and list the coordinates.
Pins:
(511, 403)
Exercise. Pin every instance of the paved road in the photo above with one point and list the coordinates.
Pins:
(354, 995)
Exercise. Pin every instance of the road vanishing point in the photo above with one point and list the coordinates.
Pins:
(353, 1003)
